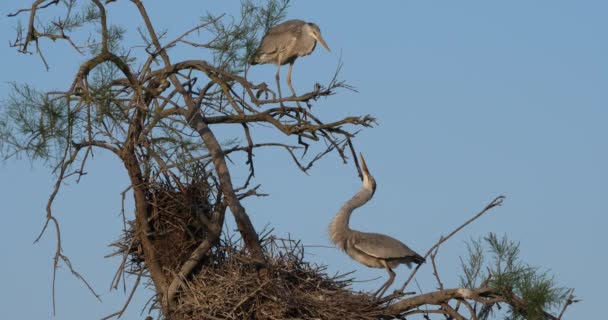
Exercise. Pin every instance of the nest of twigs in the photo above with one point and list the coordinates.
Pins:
(175, 226)
(229, 287)
(228, 284)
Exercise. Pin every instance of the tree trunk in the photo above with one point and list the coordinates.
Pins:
(141, 219)
(219, 161)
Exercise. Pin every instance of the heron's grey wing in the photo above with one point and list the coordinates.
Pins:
(289, 26)
(280, 37)
(276, 44)
(382, 246)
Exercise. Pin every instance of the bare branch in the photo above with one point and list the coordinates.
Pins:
(570, 300)
(496, 202)
(443, 296)
(435, 272)
(120, 312)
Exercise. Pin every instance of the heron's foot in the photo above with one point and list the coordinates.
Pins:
(378, 294)
(382, 290)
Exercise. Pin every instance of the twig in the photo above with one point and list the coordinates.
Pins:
(119, 313)
(453, 313)
(496, 202)
(67, 160)
(470, 308)
(249, 296)
(435, 272)
(252, 192)
(442, 296)
(355, 159)
(214, 231)
(570, 300)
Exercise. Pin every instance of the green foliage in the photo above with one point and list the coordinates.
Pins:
(33, 124)
(77, 16)
(42, 125)
(472, 269)
(116, 35)
(495, 262)
(73, 19)
(236, 40)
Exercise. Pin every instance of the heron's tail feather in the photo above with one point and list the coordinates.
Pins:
(418, 259)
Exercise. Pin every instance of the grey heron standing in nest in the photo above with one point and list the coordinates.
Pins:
(284, 43)
(371, 249)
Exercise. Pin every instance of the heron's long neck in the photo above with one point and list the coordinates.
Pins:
(339, 229)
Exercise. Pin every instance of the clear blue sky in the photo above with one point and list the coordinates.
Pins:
(474, 99)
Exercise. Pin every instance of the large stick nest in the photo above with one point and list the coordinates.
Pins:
(228, 284)
(229, 287)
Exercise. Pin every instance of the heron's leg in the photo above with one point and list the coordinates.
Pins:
(380, 289)
(387, 284)
(278, 78)
(293, 92)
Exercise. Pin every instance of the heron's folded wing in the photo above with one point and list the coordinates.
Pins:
(281, 37)
(291, 26)
(275, 45)
(381, 246)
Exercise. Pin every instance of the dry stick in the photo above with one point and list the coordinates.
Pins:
(435, 272)
(483, 295)
(355, 159)
(195, 258)
(249, 296)
(67, 160)
(470, 308)
(119, 313)
(249, 156)
(496, 202)
(228, 151)
(453, 313)
(121, 268)
(569, 301)
(418, 311)
(120, 271)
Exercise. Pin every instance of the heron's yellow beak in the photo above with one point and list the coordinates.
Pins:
(320, 39)
(363, 165)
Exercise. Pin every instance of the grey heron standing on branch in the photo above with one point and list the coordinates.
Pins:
(284, 43)
(371, 249)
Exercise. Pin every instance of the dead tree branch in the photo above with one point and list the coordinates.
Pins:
(495, 203)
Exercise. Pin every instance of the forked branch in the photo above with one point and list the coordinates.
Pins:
(495, 203)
